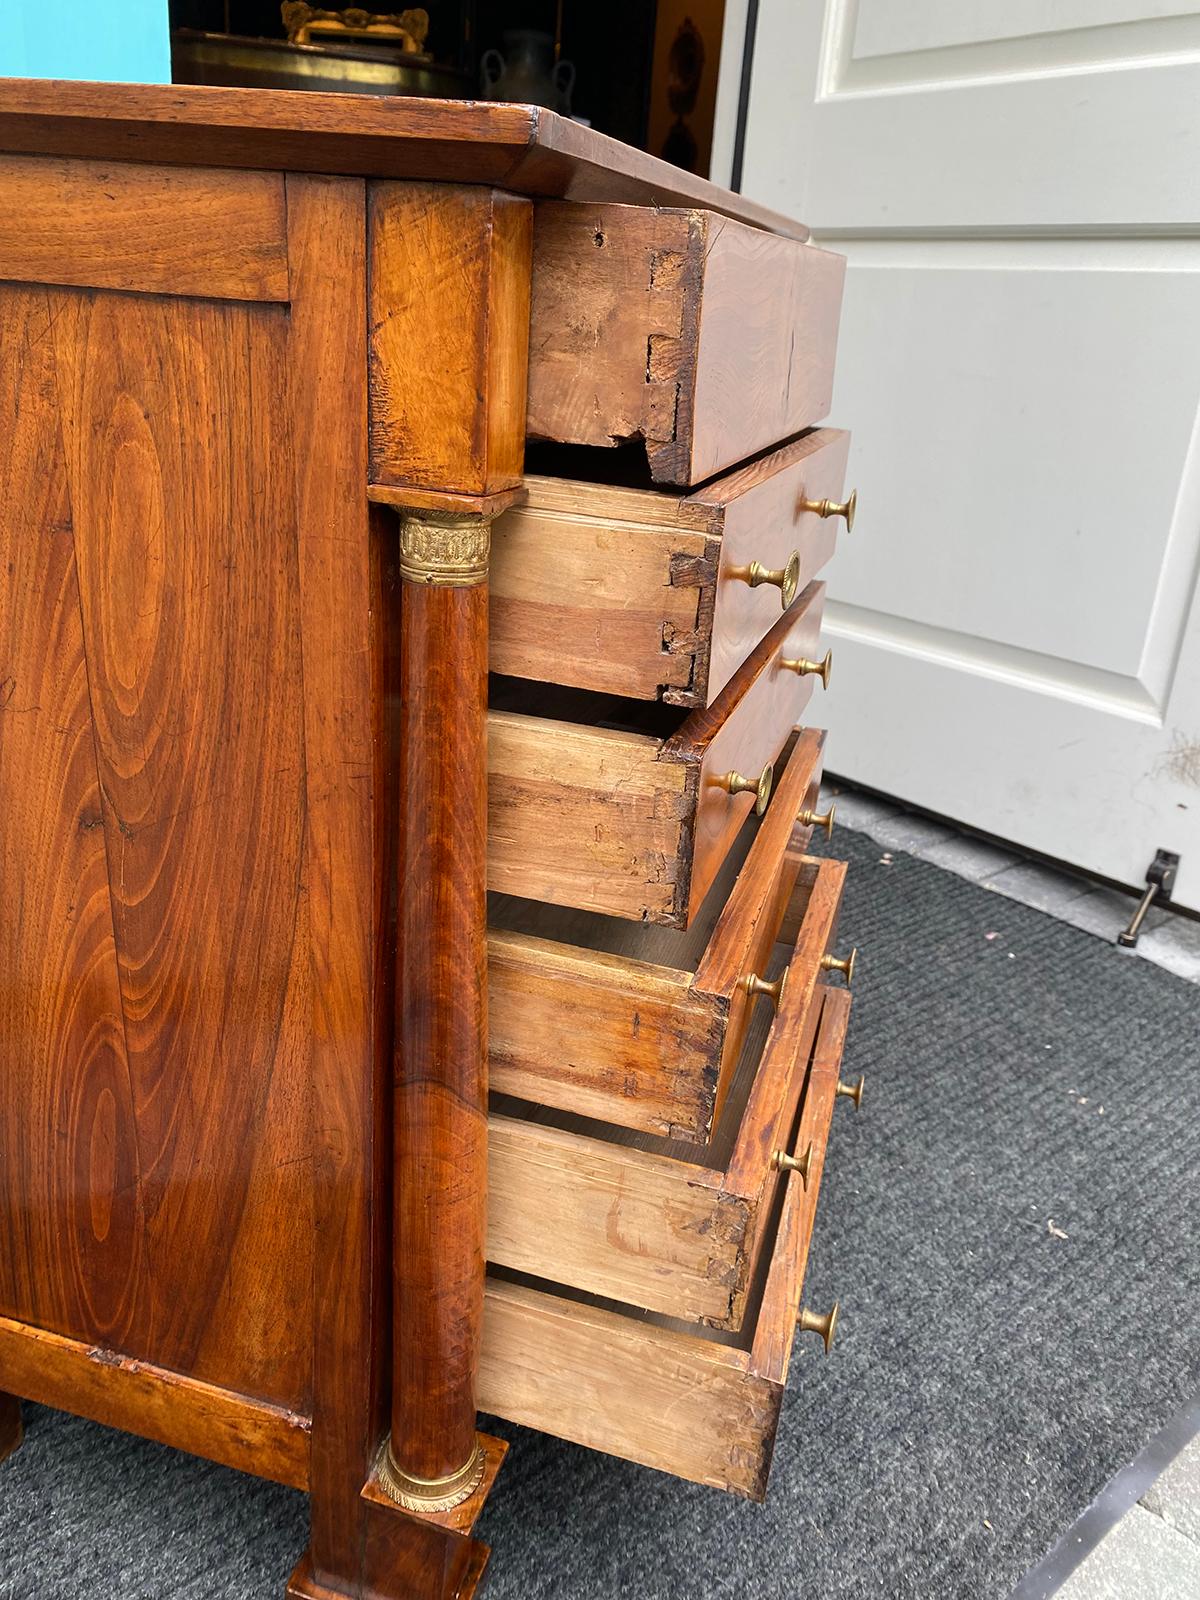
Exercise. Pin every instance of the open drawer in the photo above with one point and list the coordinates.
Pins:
(655, 595)
(707, 339)
(595, 813)
(655, 1223)
(697, 1403)
(639, 1026)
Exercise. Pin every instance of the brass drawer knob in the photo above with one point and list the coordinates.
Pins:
(834, 508)
(852, 1091)
(826, 1326)
(786, 579)
(760, 787)
(753, 985)
(818, 819)
(807, 668)
(800, 1164)
(842, 964)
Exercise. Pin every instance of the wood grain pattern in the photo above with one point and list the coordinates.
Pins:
(165, 230)
(449, 313)
(185, 544)
(350, 629)
(120, 1392)
(522, 148)
(72, 1250)
(668, 1226)
(611, 1031)
(609, 1037)
(745, 727)
(631, 591)
(440, 1190)
(584, 816)
(702, 1405)
(625, 823)
(704, 338)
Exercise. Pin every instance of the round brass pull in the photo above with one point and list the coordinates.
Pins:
(842, 964)
(753, 985)
(786, 579)
(826, 1326)
(760, 787)
(834, 508)
(800, 1164)
(852, 1091)
(807, 668)
(818, 819)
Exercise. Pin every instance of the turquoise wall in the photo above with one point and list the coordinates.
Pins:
(118, 41)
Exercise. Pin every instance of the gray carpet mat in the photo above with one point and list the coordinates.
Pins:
(1011, 1227)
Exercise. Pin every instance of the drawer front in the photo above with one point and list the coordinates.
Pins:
(630, 825)
(643, 593)
(641, 1027)
(771, 525)
(707, 339)
(752, 738)
(703, 1406)
(659, 1224)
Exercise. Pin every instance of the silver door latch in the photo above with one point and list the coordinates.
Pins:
(1160, 880)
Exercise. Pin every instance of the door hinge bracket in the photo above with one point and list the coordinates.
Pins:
(1160, 880)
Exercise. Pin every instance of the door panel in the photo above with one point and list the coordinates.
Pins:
(1015, 189)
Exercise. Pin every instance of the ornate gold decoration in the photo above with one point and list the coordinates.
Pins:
(804, 667)
(808, 818)
(430, 1494)
(844, 965)
(832, 508)
(442, 547)
(753, 985)
(407, 29)
(785, 579)
(826, 1326)
(760, 787)
(800, 1164)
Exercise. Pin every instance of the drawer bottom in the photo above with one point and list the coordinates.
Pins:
(698, 1403)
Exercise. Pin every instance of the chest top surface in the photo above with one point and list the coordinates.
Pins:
(526, 149)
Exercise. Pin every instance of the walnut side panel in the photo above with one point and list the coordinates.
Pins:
(185, 544)
(71, 1240)
(164, 230)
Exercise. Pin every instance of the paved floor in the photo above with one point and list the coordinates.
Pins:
(1168, 940)
(1153, 1552)
(1150, 1548)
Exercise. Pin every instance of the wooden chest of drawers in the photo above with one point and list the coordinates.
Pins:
(326, 735)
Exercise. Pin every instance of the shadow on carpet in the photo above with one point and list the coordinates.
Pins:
(1011, 1227)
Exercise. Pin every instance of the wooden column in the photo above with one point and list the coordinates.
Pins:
(440, 1110)
(449, 318)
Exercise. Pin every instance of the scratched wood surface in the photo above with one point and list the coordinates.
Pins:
(706, 339)
(669, 1225)
(703, 1404)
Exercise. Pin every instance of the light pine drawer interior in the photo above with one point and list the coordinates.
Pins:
(652, 594)
(587, 810)
(706, 340)
(642, 1026)
(700, 1403)
(669, 1226)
